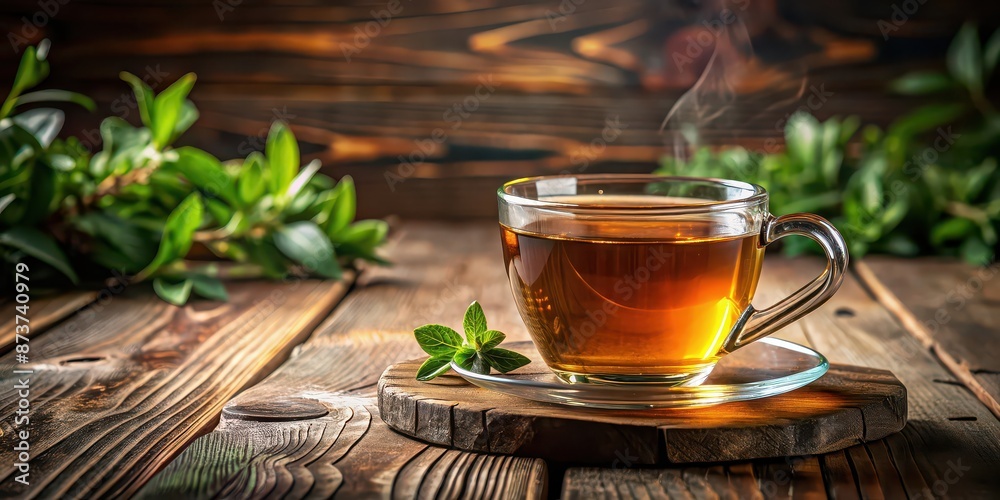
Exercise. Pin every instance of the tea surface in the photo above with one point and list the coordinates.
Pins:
(630, 297)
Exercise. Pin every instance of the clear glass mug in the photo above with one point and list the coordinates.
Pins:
(634, 278)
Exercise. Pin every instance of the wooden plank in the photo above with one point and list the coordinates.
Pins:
(625, 484)
(598, 43)
(847, 405)
(349, 452)
(855, 328)
(792, 478)
(800, 479)
(864, 473)
(942, 454)
(951, 308)
(116, 395)
(43, 312)
(839, 476)
(562, 71)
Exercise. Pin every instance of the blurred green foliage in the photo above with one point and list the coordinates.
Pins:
(139, 206)
(927, 184)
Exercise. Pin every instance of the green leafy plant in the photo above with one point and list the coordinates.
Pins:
(177, 216)
(927, 184)
(477, 352)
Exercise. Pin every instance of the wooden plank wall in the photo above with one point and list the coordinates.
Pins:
(552, 78)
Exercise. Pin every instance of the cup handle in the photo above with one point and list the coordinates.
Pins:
(755, 324)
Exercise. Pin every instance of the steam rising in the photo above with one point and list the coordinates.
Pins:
(733, 88)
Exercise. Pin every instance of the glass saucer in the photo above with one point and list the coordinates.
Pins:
(764, 368)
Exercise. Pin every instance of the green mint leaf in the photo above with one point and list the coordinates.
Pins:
(204, 171)
(250, 185)
(921, 82)
(41, 191)
(188, 115)
(6, 200)
(465, 356)
(474, 324)
(40, 246)
(490, 339)
(438, 340)
(303, 242)
(302, 179)
(282, 157)
(174, 293)
(478, 355)
(434, 366)
(167, 109)
(43, 123)
(30, 72)
(209, 287)
(178, 233)
(965, 60)
(365, 234)
(343, 208)
(976, 252)
(472, 360)
(504, 360)
(143, 97)
(266, 254)
(53, 95)
(991, 53)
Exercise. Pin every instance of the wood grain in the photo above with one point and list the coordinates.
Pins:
(360, 102)
(118, 393)
(949, 447)
(950, 444)
(43, 312)
(846, 406)
(792, 478)
(349, 452)
(951, 308)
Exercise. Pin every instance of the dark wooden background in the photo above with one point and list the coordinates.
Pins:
(561, 70)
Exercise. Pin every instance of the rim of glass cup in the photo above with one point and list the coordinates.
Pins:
(757, 194)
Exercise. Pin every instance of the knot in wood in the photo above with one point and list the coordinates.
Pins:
(280, 409)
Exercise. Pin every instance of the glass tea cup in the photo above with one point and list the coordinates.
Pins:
(634, 278)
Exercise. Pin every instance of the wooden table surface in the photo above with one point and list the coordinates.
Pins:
(273, 393)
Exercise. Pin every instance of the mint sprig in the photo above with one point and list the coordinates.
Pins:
(478, 352)
(142, 207)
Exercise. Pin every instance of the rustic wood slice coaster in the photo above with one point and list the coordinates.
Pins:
(848, 405)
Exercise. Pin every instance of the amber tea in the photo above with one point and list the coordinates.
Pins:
(641, 299)
(634, 278)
